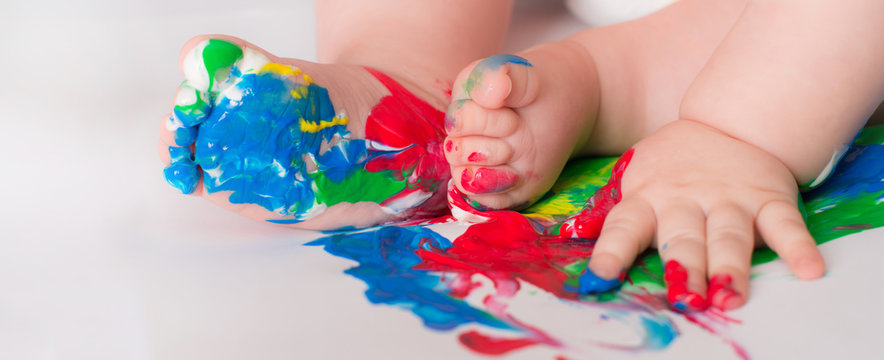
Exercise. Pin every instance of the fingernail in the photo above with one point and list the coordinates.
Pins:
(485, 180)
(721, 293)
(476, 157)
(676, 278)
(590, 283)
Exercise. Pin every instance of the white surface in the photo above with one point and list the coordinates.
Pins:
(100, 259)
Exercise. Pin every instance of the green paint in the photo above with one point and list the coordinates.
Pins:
(361, 186)
(198, 109)
(218, 57)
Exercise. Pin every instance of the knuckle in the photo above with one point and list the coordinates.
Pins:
(685, 236)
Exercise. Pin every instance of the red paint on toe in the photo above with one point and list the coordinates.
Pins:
(485, 180)
(676, 278)
(477, 157)
(449, 145)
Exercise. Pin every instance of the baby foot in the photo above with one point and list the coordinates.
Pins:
(514, 121)
(343, 146)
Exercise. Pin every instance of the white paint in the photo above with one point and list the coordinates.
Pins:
(195, 70)
(830, 167)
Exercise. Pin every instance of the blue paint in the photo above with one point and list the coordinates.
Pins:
(680, 306)
(854, 176)
(496, 61)
(660, 331)
(491, 63)
(590, 283)
(184, 135)
(342, 160)
(182, 172)
(386, 257)
(192, 117)
(254, 146)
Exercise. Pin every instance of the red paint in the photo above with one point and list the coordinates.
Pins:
(676, 278)
(721, 293)
(508, 247)
(587, 224)
(403, 121)
(449, 145)
(485, 180)
(477, 157)
(489, 345)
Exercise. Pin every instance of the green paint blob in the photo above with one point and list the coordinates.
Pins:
(218, 57)
(361, 186)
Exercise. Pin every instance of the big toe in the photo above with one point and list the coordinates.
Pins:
(498, 81)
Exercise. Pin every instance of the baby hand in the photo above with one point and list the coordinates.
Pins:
(701, 197)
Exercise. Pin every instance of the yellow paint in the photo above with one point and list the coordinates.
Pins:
(312, 127)
(300, 92)
(279, 69)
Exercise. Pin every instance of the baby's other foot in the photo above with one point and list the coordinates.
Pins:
(342, 146)
(515, 120)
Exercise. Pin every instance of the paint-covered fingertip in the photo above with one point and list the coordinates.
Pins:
(687, 301)
(590, 283)
(721, 293)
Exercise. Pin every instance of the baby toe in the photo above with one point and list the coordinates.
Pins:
(477, 150)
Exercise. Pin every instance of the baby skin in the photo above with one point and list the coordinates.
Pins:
(691, 89)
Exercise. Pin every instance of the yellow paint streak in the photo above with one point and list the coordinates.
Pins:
(279, 69)
(312, 127)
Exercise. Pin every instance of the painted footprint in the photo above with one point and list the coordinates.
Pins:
(256, 134)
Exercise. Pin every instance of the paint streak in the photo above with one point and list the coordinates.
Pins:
(676, 277)
(490, 64)
(587, 224)
(489, 345)
(486, 181)
(413, 128)
(387, 258)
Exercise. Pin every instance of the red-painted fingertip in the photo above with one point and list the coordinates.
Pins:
(676, 278)
(721, 293)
